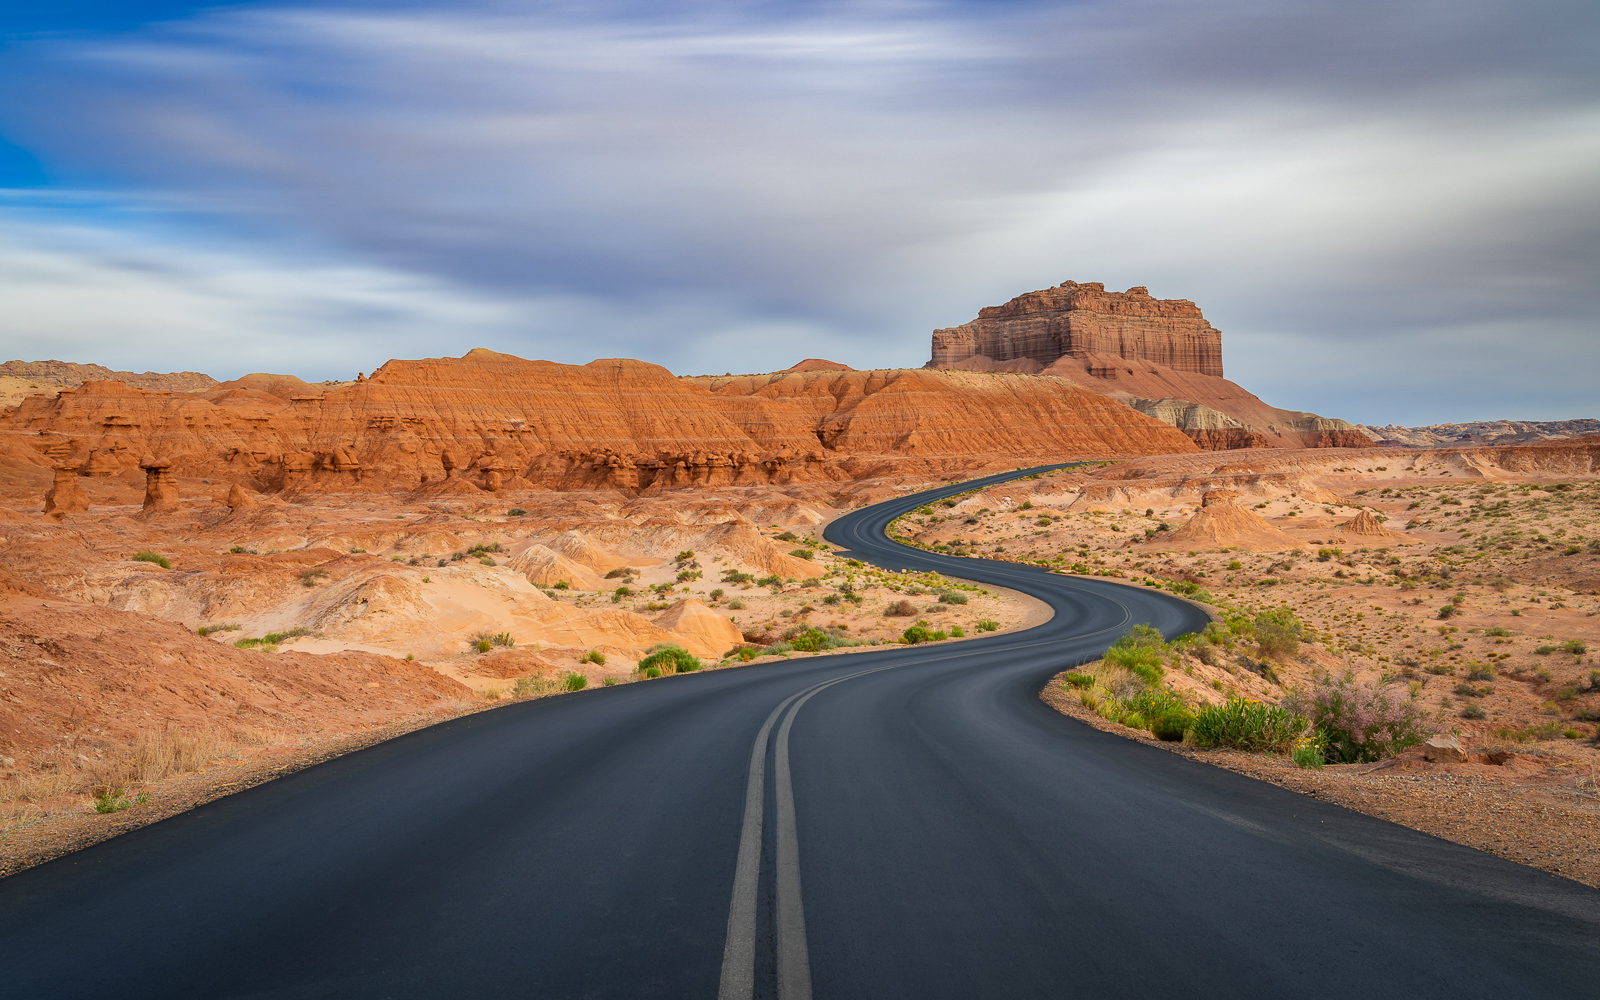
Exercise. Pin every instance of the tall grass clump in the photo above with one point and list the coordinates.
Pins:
(1141, 651)
(1248, 724)
(1278, 633)
(1360, 722)
(152, 557)
(668, 658)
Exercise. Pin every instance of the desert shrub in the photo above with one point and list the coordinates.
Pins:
(801, 553)
(988, 625)
(789, 536)
(651, 671)
(516, 512)
(685, 556)
(953, 597)
(1140, 651)
(900, 609)
(593, 656)
(1497, 630)
(1079, 680)
(1247, 724)
(113, 799)
(1278, 633)
(622, 573)
(832, 600)
(809, 641)
(309, 577)
(734, 576)
(1479, 672)
(1360, 722)
(152, 557)
(1448, 611)
(921, 633)
(1546, 650)
(1474, 712)
(484, 645)
(716, 595)
(561, 585)
(621, 592)
(1170, 727)
(1576, 647)
(1310, 752)
(575, 682)
(1531, 733)
(736, 604)
(674, 658)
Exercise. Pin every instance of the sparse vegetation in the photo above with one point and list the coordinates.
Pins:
(152, 557)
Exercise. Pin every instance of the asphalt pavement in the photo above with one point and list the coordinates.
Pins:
(910, 821)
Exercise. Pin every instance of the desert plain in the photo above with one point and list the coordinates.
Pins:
(207, 583)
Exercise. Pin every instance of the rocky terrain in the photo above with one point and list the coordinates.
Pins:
(205, 580)
(1480, 432)
(1466, 580)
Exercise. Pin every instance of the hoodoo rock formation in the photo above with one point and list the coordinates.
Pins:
(1159, 356)
(66, 496)
(1076, 320)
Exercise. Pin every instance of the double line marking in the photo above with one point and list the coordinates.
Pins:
(794, 962)
(739, 954)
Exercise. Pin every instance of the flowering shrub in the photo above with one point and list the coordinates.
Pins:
(1247, 724)
(1360, 722)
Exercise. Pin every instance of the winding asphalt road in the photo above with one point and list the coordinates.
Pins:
(906, 822)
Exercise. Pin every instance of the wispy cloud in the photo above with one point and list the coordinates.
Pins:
(725, 187)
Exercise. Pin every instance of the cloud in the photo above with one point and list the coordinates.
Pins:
(722, 187)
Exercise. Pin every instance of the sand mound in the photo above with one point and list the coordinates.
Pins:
(819, 365)
(1367, 527)
(1224, 524)
(704, 632)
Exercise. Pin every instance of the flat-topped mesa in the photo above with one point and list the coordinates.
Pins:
(1077, 319)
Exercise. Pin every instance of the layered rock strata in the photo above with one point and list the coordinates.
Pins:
(488, 422)
(1075, 320)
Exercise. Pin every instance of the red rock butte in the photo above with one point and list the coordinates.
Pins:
(1081, 319)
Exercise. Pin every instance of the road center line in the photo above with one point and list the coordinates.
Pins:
(739, 953)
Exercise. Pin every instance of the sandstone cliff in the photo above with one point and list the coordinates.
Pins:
(490, 422)
(1074, 320)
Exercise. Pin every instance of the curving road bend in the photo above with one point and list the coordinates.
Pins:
(905, 822)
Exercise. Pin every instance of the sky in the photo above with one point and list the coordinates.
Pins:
(1390, 209)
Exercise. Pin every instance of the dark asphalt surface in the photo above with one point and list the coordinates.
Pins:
(955, 838)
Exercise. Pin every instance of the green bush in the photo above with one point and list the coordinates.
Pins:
(953, 597)
(1141, 651)
(801, 553)
(152, 557)
(1247, 724)
(484, 645)
(593, 656)
(651, 671)
(1278, 633)
(1170, 726)
(809, 641)
(309, 578)
(674, 658)
(957, 632)
(516, 512)
(921, 633)
(1546, 650)
(988, 625)
(1079, 680)
(575, 682)
(1576, 647)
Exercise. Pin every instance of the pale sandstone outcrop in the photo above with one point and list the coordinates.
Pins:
(704, 632)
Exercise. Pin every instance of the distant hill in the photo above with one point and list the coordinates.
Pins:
(70, 375)
(1480, 432)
